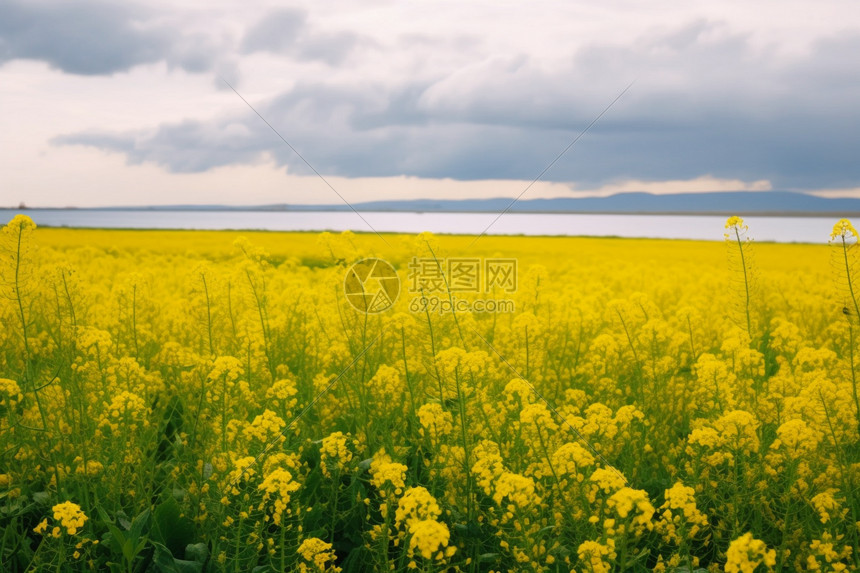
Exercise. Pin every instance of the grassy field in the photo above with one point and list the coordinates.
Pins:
(188, 401)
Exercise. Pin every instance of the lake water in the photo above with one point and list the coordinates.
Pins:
(705, 227)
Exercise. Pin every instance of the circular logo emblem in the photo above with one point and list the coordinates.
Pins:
(371, 285)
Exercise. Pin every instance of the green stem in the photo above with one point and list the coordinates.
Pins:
(746, 282)
(134, 321)
(208, 313)
(853, 375)
(464, 431)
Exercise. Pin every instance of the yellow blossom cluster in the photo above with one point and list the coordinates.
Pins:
(67, 515)
(127, 412)
(746, 553)
(633, 505)
(415, 505)
(10, 393)
(843, 229)
(827, 506)
(429, 538)
(264, 427)
(335, 452)
(278, 487)
(596, 557)
(435, 422)
(680, 519)
(389, 475)
(317, 556)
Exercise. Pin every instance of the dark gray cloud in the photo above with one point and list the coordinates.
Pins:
(91, 37)
(706, 102)
(81, 37)
(287, 32)
(99, 38)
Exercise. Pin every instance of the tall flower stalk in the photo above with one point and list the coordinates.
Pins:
(844, 239)
(740, 261)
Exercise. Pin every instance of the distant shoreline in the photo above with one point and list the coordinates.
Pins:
(338, 209)
(698, 204)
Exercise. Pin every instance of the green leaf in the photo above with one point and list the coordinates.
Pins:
(115, 539)
(103, 515)
(471, 529)
(197, 552)
(170, 528)
(139, 523)
(123, 520)
(163, 561)
(16, 507)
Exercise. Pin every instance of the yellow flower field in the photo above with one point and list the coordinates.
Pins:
(187, 401)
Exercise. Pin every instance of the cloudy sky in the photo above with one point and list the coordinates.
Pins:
(120, 103)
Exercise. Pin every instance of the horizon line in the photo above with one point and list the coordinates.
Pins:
(338, 206)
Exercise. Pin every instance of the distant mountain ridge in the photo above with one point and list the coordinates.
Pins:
(724, 202)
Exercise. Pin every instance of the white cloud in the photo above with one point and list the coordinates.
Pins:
(704, 184)
(851, 192)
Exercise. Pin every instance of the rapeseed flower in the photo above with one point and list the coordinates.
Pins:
(844, 229)
(746, 553)
(680, 516)
(335, 453)
(389, 475)
(827, 506)
(571, 459)
(735, 222)
(429, 538)
(435, 422)
(596, 557)
(634, 504)
(10, 393)
(415, 505)
(70, 516)
(278, 487)
(317, 556)
(517, 489)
